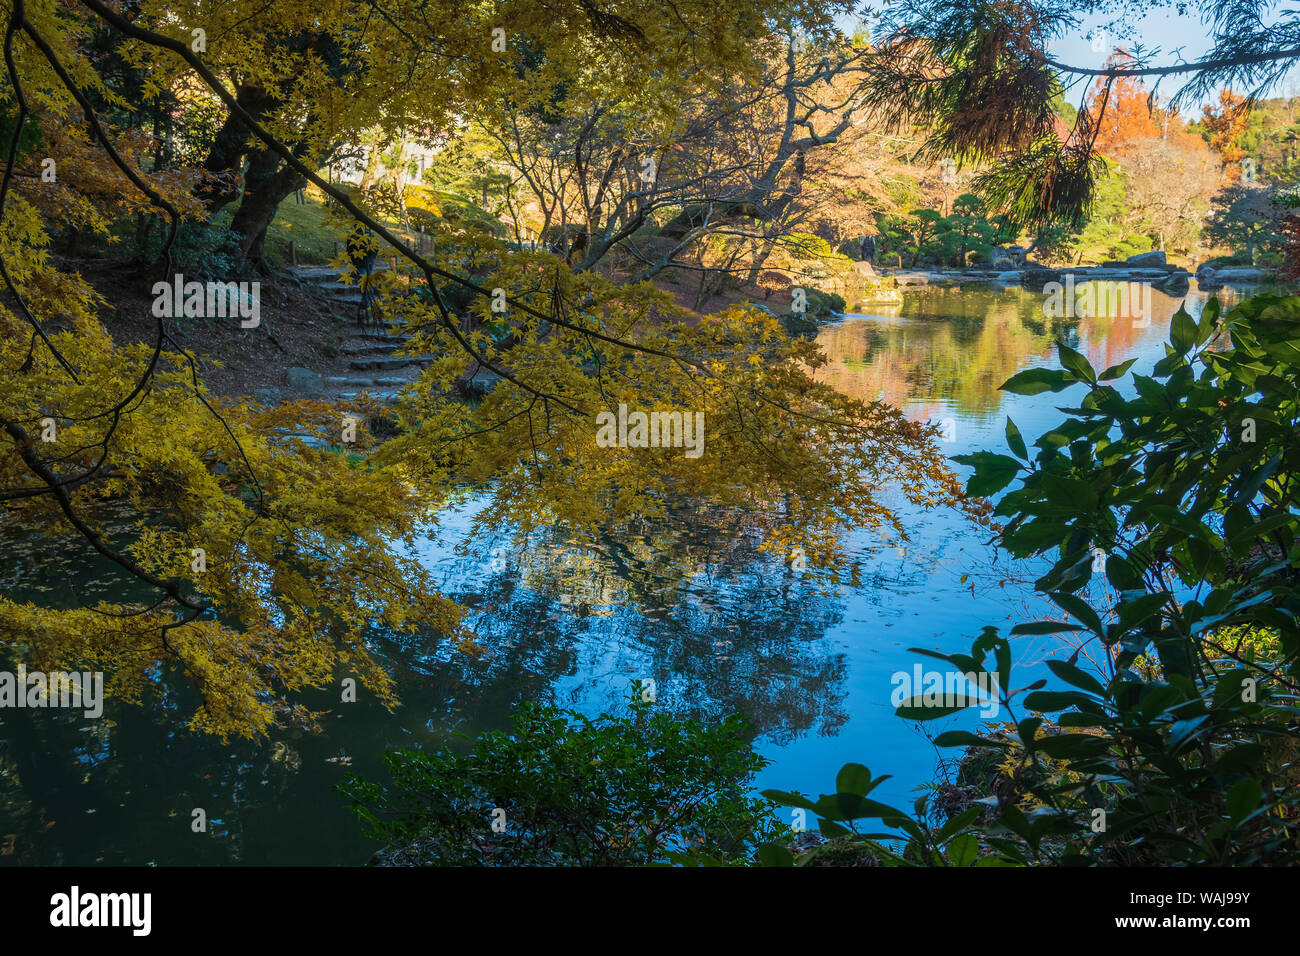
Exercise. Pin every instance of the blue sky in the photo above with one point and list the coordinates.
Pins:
(1171, 34)
(1163, 30)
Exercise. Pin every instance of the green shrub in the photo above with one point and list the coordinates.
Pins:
(824, 303)
(799, 323)
(804, 246)
(201, 250)
(630, 789)
(1180, 746)
(1131, 246)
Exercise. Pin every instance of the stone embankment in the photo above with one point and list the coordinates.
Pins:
(865, 287)
(1147, 267)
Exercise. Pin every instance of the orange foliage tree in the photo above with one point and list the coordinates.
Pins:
(1120, 111)
(1225, 124)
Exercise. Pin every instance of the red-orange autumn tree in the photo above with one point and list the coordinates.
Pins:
(1121, 110)
(1225, 124)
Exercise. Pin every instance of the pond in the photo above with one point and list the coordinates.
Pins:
(719, 627)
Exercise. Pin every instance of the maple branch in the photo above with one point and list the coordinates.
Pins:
(25, 446)
(428, 269)
(15, 21)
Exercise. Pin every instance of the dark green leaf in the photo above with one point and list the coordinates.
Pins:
(914, 709)
(1116, 371)
(992, 472)
(773, 854)
(1243, 798)
(1076, 677)
(853, 778)
(963, 850)
(964, 738)
(1078, 608)
(1015, 441)
(1046, 627)
(1182, 332)
(1076, 363)
(1034, 381)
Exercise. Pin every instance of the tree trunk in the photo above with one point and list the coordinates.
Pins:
(266, 185)
(230, 146)
(370, 175)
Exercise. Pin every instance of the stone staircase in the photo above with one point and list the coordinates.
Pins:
(374, 365)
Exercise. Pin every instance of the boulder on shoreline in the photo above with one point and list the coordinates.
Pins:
(1155, 258)
(915, 278)
(1000, 258)
(1211, 278)
(1035, 278)
(1240, 274)
(1176, 284)
(1101, 274)
(1145, 268)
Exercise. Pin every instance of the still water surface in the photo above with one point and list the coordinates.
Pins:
(736, 633)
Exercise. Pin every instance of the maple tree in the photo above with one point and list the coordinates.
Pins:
(1225, 124)
(713, 191)
(273, 546)
(1120, 111)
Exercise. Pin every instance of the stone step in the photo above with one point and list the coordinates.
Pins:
(373, 347)
(388, 363)
(384, 381)
(386, 333)
(483, 381)
(326, 274)
(383, 396)
(313, 273)
(338, 289)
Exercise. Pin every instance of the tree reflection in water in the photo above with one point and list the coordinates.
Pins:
(687, 601)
